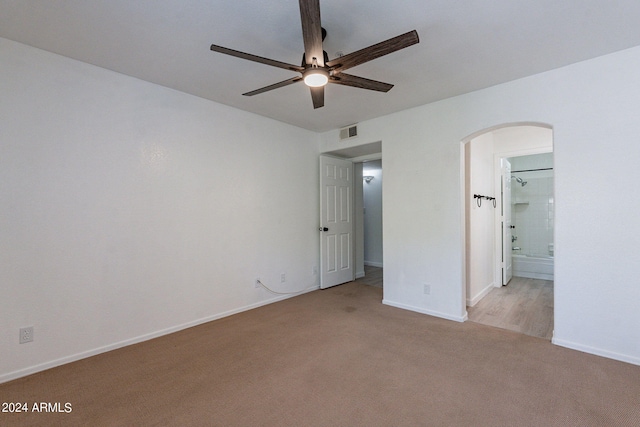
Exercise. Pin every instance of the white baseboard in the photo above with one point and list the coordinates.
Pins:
(374, 264)
(596, 351)
(473, 301)
(83, 355)
(424, 311)
(531, 275)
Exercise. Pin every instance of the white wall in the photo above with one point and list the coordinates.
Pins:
(480, 219)
(593, 108)
(130, 210)
(358, 220)
(522, 140)
(533, 161)
(373, 214)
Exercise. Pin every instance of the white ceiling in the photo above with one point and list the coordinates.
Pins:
(465, 45)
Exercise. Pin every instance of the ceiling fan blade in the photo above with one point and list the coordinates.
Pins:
(372, 52)
(360, 82)
(256, 58)
(311, 30)
(317, 96)
(274, 86)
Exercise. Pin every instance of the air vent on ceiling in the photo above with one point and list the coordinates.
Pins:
(349, 132)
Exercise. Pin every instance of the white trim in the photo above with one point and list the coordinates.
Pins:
(374, 264)
(423, 311)
(482, 294)
(596, 351)
(85, 354)
(464, 192)
(366, 158)
(530, 275)
(524, 152)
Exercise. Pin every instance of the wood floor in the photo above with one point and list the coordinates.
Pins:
(372, 276)
(524, 305)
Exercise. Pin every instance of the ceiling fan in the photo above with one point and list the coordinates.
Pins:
(319, 71)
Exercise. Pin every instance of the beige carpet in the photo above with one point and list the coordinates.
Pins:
(336, 357)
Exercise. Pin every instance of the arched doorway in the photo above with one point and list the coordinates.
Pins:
(526, 304)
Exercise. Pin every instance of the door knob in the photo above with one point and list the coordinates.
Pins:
(324, 229)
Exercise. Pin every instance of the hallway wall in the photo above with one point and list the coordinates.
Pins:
(480, 232)
(372, 192)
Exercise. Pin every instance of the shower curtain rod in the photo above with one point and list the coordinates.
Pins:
(533, 170)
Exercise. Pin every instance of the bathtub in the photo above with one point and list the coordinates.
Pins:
(531, 266)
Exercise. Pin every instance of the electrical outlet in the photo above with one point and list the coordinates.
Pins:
(283, 278)
(26, 334)
(257, 283)
(427, 289)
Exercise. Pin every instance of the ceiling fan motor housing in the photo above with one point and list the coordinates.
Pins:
(304, 59)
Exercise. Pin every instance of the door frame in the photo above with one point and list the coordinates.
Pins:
(498, 217)
(357, 154)
(506, 222)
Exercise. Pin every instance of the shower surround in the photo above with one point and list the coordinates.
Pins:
(532, 216)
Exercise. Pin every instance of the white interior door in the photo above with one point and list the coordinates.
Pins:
(507, 230)
(336, 221)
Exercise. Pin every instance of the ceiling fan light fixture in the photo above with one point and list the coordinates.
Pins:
(316, 77)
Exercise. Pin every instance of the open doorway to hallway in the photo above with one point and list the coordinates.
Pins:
(366, 252)
(372, 276)
(372, 221)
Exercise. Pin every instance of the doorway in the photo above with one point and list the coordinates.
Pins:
(525, 304)
(366, 255)
(372, 222)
